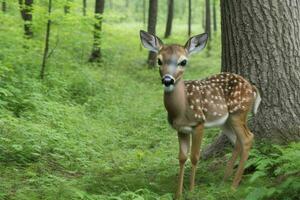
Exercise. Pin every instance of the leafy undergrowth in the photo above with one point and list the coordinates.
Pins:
(100, 131)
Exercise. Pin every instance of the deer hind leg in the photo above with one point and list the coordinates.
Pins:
(184, 146)
(244, 138)
(195, 153)
(236, 152)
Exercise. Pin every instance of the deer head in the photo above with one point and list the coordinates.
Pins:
(172, 59)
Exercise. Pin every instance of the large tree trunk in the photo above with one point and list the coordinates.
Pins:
(207, 18)
(3, 8)
(152, 29)
(47, 38)
(190, 18)
(169, 18)
(260, 41)
(214, 16)
(26, 13)
(96, 51)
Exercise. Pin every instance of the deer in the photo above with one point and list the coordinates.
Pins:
(222, 100)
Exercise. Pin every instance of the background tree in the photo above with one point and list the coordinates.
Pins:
(190, 18)
(96, 51)
(47, 38)
(84, 7)
(67, 6)
(26, 13)
(3, 8)
(214, 16)
(169, 18)
(207, 18)
(152, 17)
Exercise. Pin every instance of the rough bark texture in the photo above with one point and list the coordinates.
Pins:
(26, 13)
(46, 48)
(152, 29)
(214, 16)
(96, 51)
(84, 7)
(190, 18)
(207, 18)
(260, 41)
(3, 8)
(169, 18)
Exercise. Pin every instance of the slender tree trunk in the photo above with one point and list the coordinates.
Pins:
(84, 7)
(203, 16)
(169, 18)
(260, 41)
(126, 3)
(190, 18)
(26, 13)
(207, 18)
(46, 49)
(67, 7)
(144, 13)
(96, 51)
(111, 4)
(152, 29)
(3, 6)
(214, 15)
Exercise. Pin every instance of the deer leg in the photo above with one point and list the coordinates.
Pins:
(245, 138)
(195, 153)
(184, 145)
(230, 163)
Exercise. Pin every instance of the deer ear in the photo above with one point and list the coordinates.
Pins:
(196, 43)
(150, 42)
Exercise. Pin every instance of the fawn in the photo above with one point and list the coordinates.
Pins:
(223, 100)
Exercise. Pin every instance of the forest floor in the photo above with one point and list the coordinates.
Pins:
(98, 131)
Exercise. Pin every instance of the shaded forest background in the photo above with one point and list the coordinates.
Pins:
(81, 114)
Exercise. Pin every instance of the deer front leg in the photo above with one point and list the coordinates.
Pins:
(184, 146)
(195, 152)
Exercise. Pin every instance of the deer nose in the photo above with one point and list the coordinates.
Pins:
(168, 80)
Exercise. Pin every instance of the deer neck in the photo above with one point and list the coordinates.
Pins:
(175, 101)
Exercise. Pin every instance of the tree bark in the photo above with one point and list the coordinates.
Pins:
(152, 29)
(84, 7)
(207, 18)
(26, 13)
(46, 49)
(169, 18)
(214, 16)
(260, 41)
(96, 51)
(190, 18)
(3, 6)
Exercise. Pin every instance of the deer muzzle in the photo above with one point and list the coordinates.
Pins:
(168, 80)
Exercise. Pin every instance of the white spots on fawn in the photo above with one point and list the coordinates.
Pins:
(219, 94)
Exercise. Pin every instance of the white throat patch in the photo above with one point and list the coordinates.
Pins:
(169, 88)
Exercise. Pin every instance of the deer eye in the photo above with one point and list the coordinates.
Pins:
(183, 63)
(159, 62)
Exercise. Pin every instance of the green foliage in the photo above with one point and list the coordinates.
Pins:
(99, 131)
